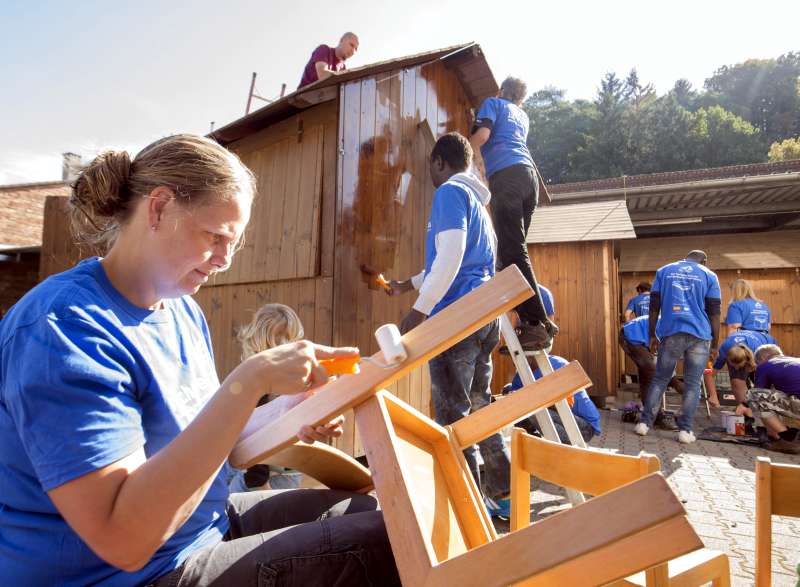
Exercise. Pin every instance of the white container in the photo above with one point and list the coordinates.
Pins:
(733, 424)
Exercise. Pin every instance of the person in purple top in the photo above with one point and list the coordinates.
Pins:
(775, 395)
(326, 61)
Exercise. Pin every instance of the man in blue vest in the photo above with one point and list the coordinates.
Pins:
(687, 296)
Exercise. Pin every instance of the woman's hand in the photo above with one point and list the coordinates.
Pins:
(332, 429)
(288, 369)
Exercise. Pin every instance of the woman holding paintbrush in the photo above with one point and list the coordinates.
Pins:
(114, 429)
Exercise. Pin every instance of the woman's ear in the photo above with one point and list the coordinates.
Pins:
(156, 203)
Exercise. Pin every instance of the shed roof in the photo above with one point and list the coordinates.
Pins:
(467, 60)
(761, 196)
(591, 221)
(23, 212)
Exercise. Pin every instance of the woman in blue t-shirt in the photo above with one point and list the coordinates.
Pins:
(114, 429)
(746, 311)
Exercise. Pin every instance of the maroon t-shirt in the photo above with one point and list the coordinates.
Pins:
(321, 53)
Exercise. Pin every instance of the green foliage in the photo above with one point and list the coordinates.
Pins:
(628, 129)
(785, 150)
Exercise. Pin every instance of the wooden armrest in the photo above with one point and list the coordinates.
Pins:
(522, 403)
(609, 537)
(476, 309)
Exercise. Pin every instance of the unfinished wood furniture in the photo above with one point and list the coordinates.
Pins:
(327, 464)
(438, 527)
(596, 473)
(777, 494)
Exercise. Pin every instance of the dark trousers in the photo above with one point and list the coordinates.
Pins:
(294, 537)
(645, 362)
(531, 426)
(515, 194)
(460, 378)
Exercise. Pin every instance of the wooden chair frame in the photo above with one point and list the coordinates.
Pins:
(597, 472)
(777, 494)
(438, 527)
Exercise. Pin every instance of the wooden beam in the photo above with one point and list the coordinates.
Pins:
(715, 211)
(328, 465)
(476, 309)
(522, 403)
(645, 515)
(314, 97)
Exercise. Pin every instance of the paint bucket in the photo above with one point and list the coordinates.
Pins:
(733, 424)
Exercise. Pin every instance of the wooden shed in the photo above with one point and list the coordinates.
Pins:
(343, 183)
(572, 249)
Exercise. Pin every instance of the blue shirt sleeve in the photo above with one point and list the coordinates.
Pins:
(449, 210)
(487, 113)
(585, 408)
(714, 291)
(657, 282)
(71, 399)
(734, 315)
(629, 307)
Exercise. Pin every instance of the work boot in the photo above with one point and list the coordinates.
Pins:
(665, 421)
(536, 337)
(784, 446)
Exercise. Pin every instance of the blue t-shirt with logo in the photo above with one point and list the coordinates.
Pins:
(507, 144)
(547, 300)
(640, 304)
(457, 206)
(750, 313)
(749, 338)
(583, 406)
(684, 287)
(636, 332)
(87, 378)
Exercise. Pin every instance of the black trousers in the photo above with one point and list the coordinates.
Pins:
(515, 194)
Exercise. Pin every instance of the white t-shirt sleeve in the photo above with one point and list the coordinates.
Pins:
(450, 247)
(416, 281)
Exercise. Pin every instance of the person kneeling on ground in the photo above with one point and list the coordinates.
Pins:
(586, 414)
(737, 353)
(776, 395)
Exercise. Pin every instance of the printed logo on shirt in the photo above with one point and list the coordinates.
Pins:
(687, 269)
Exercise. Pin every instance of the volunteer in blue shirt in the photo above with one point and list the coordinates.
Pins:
(114, 429)
(746, 311)
(639, 305)
(549, 302)
(686, 296)
(501, 133)
(586, 414)
(738, 352)
(459, 257)
(635, 340)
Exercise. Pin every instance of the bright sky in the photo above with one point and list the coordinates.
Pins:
(86, 75)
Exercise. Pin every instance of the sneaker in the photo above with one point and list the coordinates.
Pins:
(686, 437)
(784, 446)
(665, 421)
(641, 429)
(498, 508)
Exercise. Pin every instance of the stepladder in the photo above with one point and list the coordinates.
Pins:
(543, 419)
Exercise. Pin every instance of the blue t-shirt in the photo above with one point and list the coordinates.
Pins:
(684, 287)
(507, 144)
(87, 378)
(636, 332)
(640, 304)
(547, 300)
(751, 314)
(457, 206)
(782, 373)
(582, 407)
(749, 338)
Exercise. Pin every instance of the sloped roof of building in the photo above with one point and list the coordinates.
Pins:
(467, 60)
(592, 221)
(23, 212)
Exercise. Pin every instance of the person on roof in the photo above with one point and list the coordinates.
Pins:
(326, 61)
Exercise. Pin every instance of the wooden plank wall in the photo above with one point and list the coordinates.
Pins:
(581, 277)
(384, 200)
(60, 251)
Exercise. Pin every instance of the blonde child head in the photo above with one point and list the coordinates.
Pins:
(271, 326)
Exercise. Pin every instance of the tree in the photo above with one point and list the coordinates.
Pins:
(683, 93)
(722, 138)
(785, 150)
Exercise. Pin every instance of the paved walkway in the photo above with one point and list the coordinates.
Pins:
(716, 481)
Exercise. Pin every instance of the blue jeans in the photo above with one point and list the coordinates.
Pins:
(460, 378)
(694, 352)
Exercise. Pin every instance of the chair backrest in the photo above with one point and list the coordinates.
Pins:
(777, 494)
(584, 469)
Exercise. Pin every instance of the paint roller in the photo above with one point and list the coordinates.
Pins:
(391, 344)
